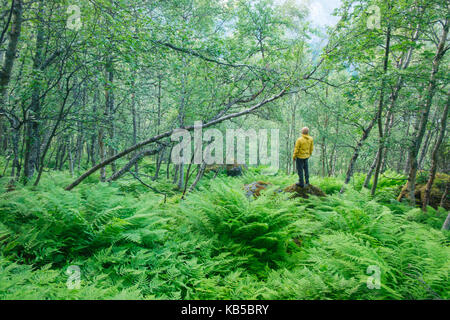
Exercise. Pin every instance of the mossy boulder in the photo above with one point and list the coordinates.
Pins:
(213, 168)
(234, 170)
(439, 191)
(305, 192)
(254, 189)
(231, 170)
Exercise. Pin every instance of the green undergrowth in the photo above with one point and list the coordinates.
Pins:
(131, 242)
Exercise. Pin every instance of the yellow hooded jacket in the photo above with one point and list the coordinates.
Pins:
(304, 147)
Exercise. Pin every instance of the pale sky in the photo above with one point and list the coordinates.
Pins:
(320, 10)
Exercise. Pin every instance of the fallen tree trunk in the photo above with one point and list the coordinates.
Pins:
(168, 134)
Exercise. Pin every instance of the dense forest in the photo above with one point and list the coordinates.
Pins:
(93, 205)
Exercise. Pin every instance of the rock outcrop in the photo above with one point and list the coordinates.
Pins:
(254, 189)
(231, 170)
(439, 192)
(306, 192)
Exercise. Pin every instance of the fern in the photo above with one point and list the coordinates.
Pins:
(217, 243)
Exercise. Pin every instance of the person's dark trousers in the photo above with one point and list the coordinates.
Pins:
(302, 165)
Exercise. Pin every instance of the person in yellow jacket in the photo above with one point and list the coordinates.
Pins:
(303, 150)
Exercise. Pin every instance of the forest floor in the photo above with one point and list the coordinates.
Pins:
(124, 241)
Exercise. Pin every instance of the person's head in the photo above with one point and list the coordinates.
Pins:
(305, 130)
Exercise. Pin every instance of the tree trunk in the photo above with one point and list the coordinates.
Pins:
(355, 156)
(158, 126)
(33, 139)
(94, 134)
(428, 99)
(168, 163)
(387, 134)
(62, 156)
(324, 147)
(5, 75)
(434, 155)
(11, 51)
(444, 196)
(428, 138)
(109, 108)
(80, 135)
(133, 113)
(51, 135)
(200, 174)
(181, 116)
(70, 158)
(159, 160)
(333, 157)
(102, 152)
(446, 225)
(387, 129)
(405, 164)
(381, 156)
(175, 173)
(15, 145)
(380, 112)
